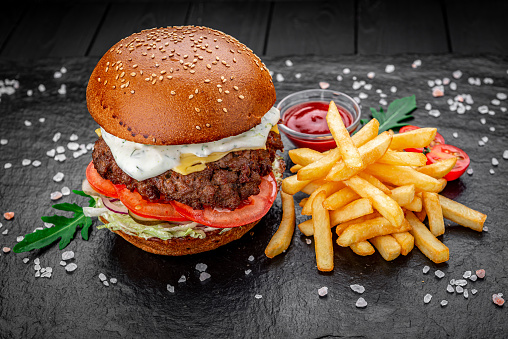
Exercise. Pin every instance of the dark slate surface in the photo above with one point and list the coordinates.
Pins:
(78, 304)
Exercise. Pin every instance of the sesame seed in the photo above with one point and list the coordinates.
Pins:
(99, 79)
(198, 128)
(197, 109)
(219, 100)
(132, 91)
(133, 74)
(196, 91)
(241, 97)
(207, 125)
(154, 81)
(152, 56)
(169, 77)
(207, 66)
(105, 82)
(225, 110)
(141, 72)
(147, 79)
(173, 93)
(135, 65)
(235, 88)
(191, 96)
(163, 72)
(192, 71)
(207, 80)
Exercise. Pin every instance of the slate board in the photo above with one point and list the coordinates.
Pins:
(77, 304)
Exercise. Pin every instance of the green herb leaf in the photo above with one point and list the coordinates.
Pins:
(64, 228)
(398, 111)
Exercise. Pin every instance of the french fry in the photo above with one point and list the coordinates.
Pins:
(368, 229)
(387, 246)
(403, 158)
(381, 202)
(404, 175)
(347, 149)
(461, 214)
(421, 137)
(320, 167)
(416, 205)
(322, 234)
(363, 248)
(312, 186)
(421, 215)
(406, 242)
(304, 156)
(291, 185)
(329, 188)
(295, 168)
(438, 169)
(282, 238)
(370, 152)
(443, 183)
(340, 198)
(434, 213)
(428, 244)
(349, 212)
(366, 133)
(403, 195)
(375, 182)
(302, 202)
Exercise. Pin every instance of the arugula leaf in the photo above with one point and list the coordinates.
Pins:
(64, 228)
(398, 111)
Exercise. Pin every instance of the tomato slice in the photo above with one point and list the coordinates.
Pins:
(98, 183)
(255, 208)
(445, 151)
(438, 139)
(139, 206)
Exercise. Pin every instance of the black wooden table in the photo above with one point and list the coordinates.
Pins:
(247, 294)
(34, 29)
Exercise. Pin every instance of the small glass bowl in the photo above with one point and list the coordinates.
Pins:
(318, 142)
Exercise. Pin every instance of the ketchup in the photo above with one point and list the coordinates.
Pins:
(310, 118)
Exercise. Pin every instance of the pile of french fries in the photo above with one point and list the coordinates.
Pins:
(374, 194)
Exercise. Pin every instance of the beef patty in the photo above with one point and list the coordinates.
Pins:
(224, 183)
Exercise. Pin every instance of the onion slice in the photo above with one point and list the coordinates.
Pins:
(116, 206)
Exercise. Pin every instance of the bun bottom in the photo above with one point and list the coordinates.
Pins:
(186, 245)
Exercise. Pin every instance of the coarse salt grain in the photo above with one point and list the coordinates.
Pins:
(440, 274)
(480, 273)
(201, 267)
(324, 85)
(58, 177)
(57, 136)
(473, 277)
(60, 149)
(57, 75)
(250, 258)
(455, 134)
(457, 74)
(258, 296)
(393, 89)
(483, 121)
(426, 269)
(495, 162)
(466, 293)
(247, 272)
(417, 63)
(7, 165)
(361, 303)
(73, 146)
(470, 171)
(496, 102)
(346, 71)
(51, 153)
(389, 68)
(29, 92)
(3, 141)
(63, 70)
(444, 303)
(289, 63)
(483, 109)
(428, 106)
(497, 299)
(26, 162)
(73, 137)
(6, 249)
(357, 288)
(466, 274)
(459, 289)
(113, 280)
(491, 171)
(308, 241)
(323, 291)
(56, 195)
(492, 128)
(102, 276)
(204, 276)
(371, 75)
(339, 77)
(8, 215)
(279, 77)
(171, 289)
(62, 263)
(450, 289)
(461, 282)
(67, 255)
(298, 75)
(105, 283)
(5, 232)
(182, 279)
(41, 88)
(453, 86)
(28, 123)
(435, 113)
(36, 163)
(474, 291)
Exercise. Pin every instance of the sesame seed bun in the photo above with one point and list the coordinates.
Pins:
(187, 245)
(179, 85)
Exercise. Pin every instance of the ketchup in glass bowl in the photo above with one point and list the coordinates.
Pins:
(304, 117)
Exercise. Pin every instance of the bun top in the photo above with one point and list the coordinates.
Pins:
(179, 85)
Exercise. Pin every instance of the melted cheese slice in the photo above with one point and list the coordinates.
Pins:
(141, 161)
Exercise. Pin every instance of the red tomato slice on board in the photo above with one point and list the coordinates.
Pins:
(444, 151)
(255, 208)
(98, 183)
(438, 139)
(139, 206)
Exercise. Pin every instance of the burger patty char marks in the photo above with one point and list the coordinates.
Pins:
(224, 183)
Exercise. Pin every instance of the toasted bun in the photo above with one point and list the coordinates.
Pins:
(179, 85)
(186, 245)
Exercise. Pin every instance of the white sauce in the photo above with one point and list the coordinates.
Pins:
(142, 161)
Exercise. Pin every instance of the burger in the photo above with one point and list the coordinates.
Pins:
(187, 155)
